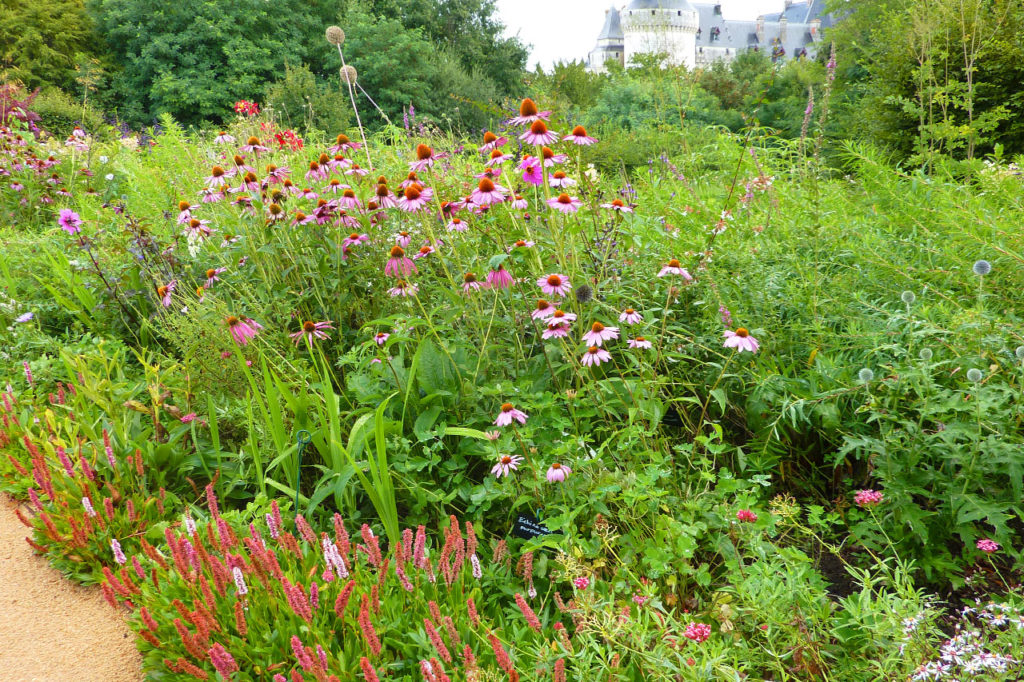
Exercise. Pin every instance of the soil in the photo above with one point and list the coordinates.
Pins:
(52, 630)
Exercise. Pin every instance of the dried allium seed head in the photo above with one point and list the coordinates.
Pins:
(348, 74)
(335, 36)
(584, 293)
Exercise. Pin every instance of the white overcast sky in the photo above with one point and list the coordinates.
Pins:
(567, 29)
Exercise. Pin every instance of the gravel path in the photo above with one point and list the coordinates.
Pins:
(50, 629)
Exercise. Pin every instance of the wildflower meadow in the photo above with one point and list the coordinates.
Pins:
(406, 401)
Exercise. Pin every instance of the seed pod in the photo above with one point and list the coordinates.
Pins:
(348, 74)
(335, 36)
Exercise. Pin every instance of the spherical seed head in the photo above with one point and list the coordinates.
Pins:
(925, 354)
(348, 74)
(908, 297)
(982, 268)
(335, 36)
(974, 375)
(584, 293)
(866, 375)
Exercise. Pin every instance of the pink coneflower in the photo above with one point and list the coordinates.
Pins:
(555, 329)
(500, 278)
(555, 285)
(424, 251)
(639, 342)
(487, 193)
(210, 195)
(213, 275)
(617, 205)
(424, 158)
(301, 218)
(277, 174)
(562, 316)
(509, 413)
(242, 329)
(594, 356)
(381, 337)
(599, 333)
(746, 516)
(356, 170)
(384, 197)
(561, 180)
(565, 203)
(185, 212)
(558, 473)
(506, 464)
(403, 288)
(316, 171)
(543, 310)
(217, 177)
(69, 221)
(630, 316)
(492, 142)
(253, 145)
(354, 239)
(224, 138)
(338, 161)
(309, 194)
(410, 179)
(519, 203)
(457, 225)
(415, 197)
(398, 265)
(538, 134)
(868, 498)
(551, 158)
(674, 267)
(336, 186)
(532, 172)
(342, 143)
(349, 199)
(579, 136)
(470, 283)
(312, 330)
(403, 238)
(698, 632)
(164, 293)
(987, 546)
(740, 340)
(528, 113)
(497, 158)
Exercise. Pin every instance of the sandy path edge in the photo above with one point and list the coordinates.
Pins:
(51, 629)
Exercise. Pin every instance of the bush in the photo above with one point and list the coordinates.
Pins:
(299, 101)
(59, 113)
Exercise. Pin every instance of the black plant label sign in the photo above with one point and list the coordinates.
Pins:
(528, 526)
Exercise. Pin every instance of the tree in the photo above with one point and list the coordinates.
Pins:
(41, 42)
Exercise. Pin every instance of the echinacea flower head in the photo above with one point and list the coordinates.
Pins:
(555, 285)
(639, 342)
(630, 316)
(741, 340)
(415, 197)
(543, 310)
(599, 333)
(579, 136)
(164, 293)
(312, 330)
(488, 193)
(987, 546)
(242, 329)
(746, 516)
(538, 134)
(398, 265)
(868, 498)
(500, 278)
(617, 205)
(424, 158)
(551, 158)
(528, 113)
(674, 267)
(381, 337)
(565, 203)
(558, 473)
(560, 180)
(69, 221)
(471, 283)
(594, 356)
(508, 413)
(403, 288)
(354, 239)
(555, 329)
(213, 275)
(506, 464)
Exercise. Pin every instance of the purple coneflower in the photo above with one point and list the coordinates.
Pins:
(415, 197)
(674, 267)
(70, 221)
(579, 136)
(492, 142)
(213, 275)
(594, 356)
(164, 293)
(508, 413)
(555, 329)
(424, 251)
(316, 171)
(497, 158)
(528, 113)
(356, 170)
(354, 239)
(617, 205)
(500, 278)
(565, 203)
(506, 465)
(277, 174)
(224, 138)
(336, 186)
(242, 329)
(740, 340)
(551, 158)
(543, 310)
(538, 134)
(470, 283)
(381, 337)
(457, 225)
(560, 179)
(424, 158)
(488, 193)
(312, 330)
(349, 199)
(342, 144)
(519, 203)
(599, 333)
(558, 473)
(630, 316)
(555, 285)
(253, 145)
(403, 288)
(398, 264)
(638, 342)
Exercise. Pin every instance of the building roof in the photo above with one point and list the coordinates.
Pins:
(735, 34)
(659, 4)
(803, 12)
(612, 29)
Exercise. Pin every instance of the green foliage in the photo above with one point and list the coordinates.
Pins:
(59, 114)
(299, 101)
(41, 43)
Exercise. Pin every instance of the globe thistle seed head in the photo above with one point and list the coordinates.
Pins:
(1019, 352)
(925, 354)
(974, 375)
(982, 268)
(908, 297)
(866, 375)
(335, 36)
(348, 74)
(584, 293)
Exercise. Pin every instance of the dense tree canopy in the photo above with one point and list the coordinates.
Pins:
(41, 42)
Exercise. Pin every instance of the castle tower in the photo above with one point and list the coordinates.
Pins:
(666, 26)
(609, 42)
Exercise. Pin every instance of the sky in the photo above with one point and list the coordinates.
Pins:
(567, 29)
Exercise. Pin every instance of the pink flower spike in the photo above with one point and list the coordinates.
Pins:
(594, 356)
(698, 632)
(740, 340)
(508, 413)
(599, 333)
(506, 464)
(868, 498)
(558, 473)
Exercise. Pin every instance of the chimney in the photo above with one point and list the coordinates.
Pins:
(783, 24)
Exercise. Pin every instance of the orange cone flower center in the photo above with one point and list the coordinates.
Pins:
(528, 108)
